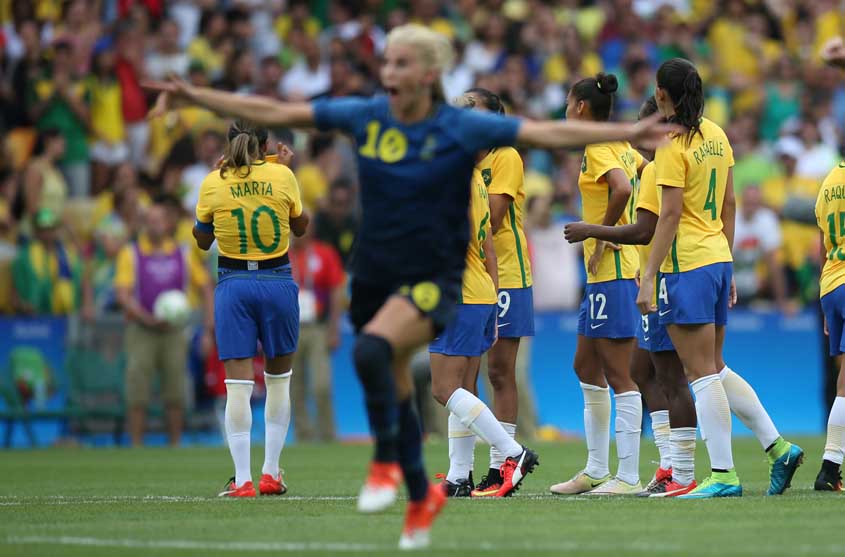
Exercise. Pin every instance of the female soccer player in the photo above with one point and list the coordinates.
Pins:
(607, 321)
(501, 170)
(415, 158)
(830, 213)
(251, 207)
(456, 356)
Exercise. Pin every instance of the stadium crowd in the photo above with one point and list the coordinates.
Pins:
(82, 164)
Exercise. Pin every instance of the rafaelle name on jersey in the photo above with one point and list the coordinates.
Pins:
(243, 189)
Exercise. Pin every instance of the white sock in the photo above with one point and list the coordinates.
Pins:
(682, 447)
(629, 419)
(597, 429)
(461, 450)
(497, 458)
(660, 428)
(276, 419)
(714, 419)
(475, 416)
(834, 448)
(747, 407)
(238, 425)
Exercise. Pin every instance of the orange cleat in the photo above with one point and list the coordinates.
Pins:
(232, 490)
(268, 485)
(420, 517)
(514, 471)
(489, 486)
(674, 489)
(380, 490)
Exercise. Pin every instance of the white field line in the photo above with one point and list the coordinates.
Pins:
(649, 547)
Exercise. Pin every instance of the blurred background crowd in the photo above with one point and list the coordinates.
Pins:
(82, 168)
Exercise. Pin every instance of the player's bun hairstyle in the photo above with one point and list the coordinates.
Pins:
(599, 93)
(648, 108)
(434, 50)
(490, 100)
(246, 145)
(680, 79)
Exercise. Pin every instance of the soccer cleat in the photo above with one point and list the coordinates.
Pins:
(268, 485)
(420, 516)
(615, 486)
(515, 469)
(379, 491)
(580, 483)
(719, 484)
(489, 485)
(658, 482)
(232, 490)
(829, 478)
(674, 489)
(782, 469)
(461, 488)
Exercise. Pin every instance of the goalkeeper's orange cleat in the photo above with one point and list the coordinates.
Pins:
(420, 517)
(268, 485)
(380, 490)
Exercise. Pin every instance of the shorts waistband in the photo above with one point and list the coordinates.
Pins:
(246, 265)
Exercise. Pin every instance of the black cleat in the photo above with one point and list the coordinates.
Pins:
(489, 485)
(829, 478)
(461, 488)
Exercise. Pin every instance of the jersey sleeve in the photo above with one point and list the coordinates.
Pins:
(205, 207)
(124, 275)
(648, 198)
(483, 130)
(507, 174)
(346, 114)
(730, 153)
(600, 160)
(669, 166)
(639, 158)
(296, 196)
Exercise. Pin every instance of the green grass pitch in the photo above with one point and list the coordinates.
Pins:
(162, 502)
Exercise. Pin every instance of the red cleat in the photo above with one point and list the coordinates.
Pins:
(420, 517)
(514, 471)
(246, 490)
(268, 485)
(379, 491)
(674, 489)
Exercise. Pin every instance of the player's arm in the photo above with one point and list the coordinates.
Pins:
(729, 210)
(298, 225)
(203, 236)
(648, 133)
(499, 203)
(638, 233)
(667, 226)
(263, 111)
(491, 262)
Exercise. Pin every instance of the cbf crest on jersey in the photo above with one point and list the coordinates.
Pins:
(487, 176)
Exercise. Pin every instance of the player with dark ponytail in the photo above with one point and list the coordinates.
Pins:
(608, 320)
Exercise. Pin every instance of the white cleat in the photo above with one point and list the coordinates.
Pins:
(615, 486)
(380, 490)
(415, 539)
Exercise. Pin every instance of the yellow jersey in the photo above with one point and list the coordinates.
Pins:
(599, 159)
(700, 166)
(478, 287)
(502, 173)
(251, 215)
(830, 216)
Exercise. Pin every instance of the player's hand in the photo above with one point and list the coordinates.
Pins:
(833, 52)
(732, 297)
(826, 332)
(595, 259)
(645, 300)
(284, 154)
(650, 133)
(575, 232)
(170, 92)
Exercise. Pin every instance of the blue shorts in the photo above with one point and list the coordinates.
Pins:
(516, 312)
(471, 333)
(833, 306)
(652, 336)
(609, 310)
(256, 305)
(695, 297)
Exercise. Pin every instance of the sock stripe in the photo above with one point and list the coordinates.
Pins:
(280, 376)
(239, 382)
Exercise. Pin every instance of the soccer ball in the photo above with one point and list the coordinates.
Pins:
(172, 306)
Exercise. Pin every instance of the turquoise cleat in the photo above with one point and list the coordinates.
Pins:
(783, 468)
(720, 484)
